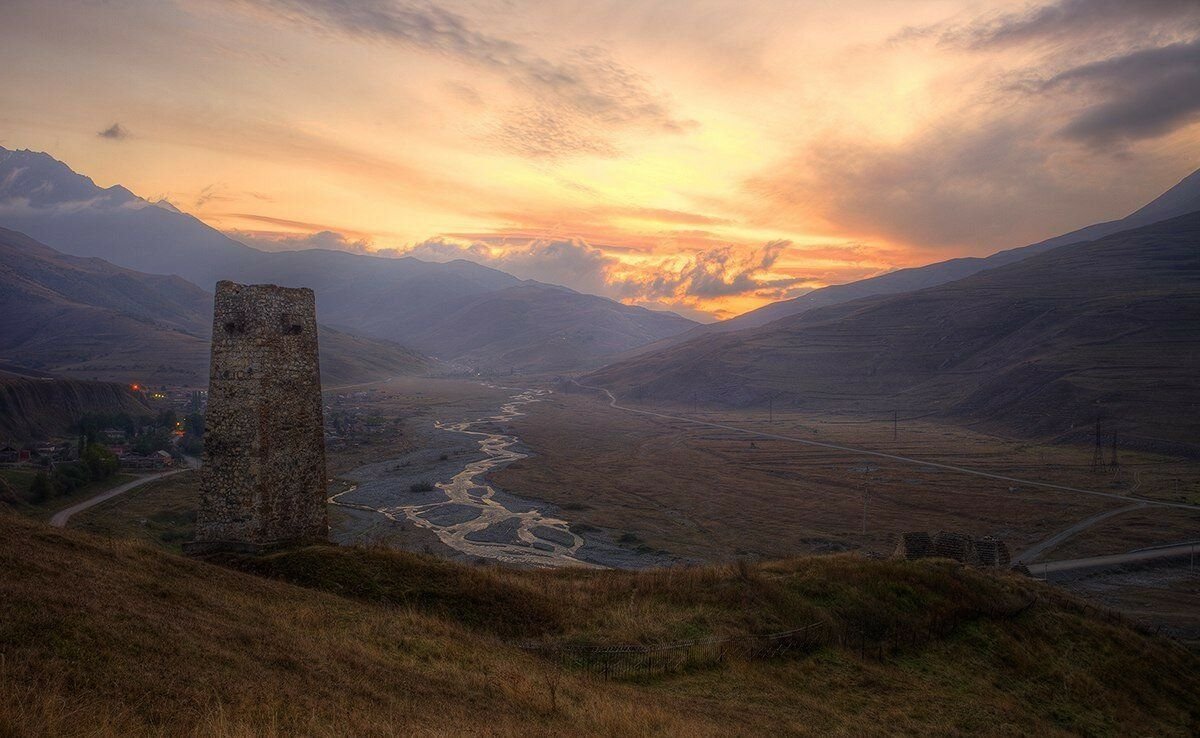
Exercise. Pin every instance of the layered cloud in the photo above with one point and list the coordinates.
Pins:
(571, 104)
(1143, 94)
(697, 282)
(710, 155)
(1049, 107)
(275, 241)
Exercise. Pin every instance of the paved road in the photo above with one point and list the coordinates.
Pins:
(612, 401)
(62, 516)
(1180, 551)
(1033, 552)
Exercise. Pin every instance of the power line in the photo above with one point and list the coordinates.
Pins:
(1098, 451)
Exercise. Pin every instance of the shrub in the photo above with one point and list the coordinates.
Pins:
(422, 486)
(101, 462)
(41, 489)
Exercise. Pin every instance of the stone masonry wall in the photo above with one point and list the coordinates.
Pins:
(264, 480)
(987, 552)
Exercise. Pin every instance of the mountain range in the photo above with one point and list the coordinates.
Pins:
(87, 318)
(458, 311)
(1042, 345)
(1039, 339)
(1181, 199)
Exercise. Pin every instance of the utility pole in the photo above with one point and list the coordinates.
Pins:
(866, 470)
(866, 496)
(1098, 451)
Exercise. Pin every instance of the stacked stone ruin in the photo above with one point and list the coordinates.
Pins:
(987, 552)
(263, 482)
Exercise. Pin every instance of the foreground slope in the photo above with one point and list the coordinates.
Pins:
(412, 302)
(88, 318)
(108, 637)
(1042, 345)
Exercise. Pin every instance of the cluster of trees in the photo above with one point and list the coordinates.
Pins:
(192, 443)
(96, 463)
(147, 434)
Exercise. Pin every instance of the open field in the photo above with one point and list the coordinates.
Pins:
(20, 479)
(718, 494)
(162, 512)
(118, 638)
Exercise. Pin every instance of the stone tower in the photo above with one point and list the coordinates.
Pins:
(263, 482)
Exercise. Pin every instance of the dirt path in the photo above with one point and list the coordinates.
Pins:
(1177, 551)
(1036, 550)
(61, 517)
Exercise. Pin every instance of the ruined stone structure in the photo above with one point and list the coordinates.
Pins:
(264, 480)
(993, 552)
(987, 551)
(915, 545)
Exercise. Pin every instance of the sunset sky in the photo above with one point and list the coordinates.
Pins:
(706, 156)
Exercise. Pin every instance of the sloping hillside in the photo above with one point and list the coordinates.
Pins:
(1181, 199)
(406, 300)
(113, 638)
(32, 409)
(1042, 345)
(87, 318)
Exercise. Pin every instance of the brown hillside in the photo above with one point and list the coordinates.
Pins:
(1040, 346)
(112, 638)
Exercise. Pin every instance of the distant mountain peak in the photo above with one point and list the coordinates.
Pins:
(42, 181)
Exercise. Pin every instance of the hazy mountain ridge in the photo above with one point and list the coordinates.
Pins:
(538, 326)
(88, 318)
(1039, 345)
(404, 300)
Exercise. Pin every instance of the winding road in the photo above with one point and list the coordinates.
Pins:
(1181, 551)
(61, 517)
(1037, 550)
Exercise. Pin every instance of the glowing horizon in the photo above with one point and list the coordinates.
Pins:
(707, 157)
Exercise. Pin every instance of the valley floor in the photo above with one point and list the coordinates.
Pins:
(643, 490)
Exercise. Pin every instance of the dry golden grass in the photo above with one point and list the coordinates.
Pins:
(713, 494)
(162, 512)
(117, 638)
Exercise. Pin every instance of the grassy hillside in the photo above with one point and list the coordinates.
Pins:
(36, 408)
(87, 318)
(1039, 346)
(109, 637)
